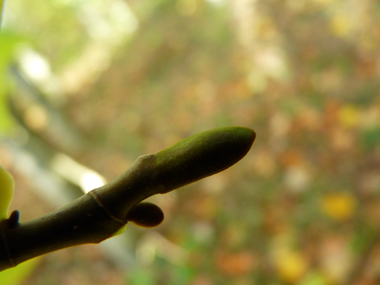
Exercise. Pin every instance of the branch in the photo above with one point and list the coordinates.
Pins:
(102, 212)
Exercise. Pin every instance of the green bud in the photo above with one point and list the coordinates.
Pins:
(201, 155)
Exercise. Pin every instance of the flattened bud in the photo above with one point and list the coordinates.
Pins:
(201, 155)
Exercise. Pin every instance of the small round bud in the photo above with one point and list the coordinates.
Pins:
(146, 215)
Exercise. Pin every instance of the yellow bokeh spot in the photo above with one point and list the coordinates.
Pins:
(349, 116)
(339, 206)
(187, 7)
(341, 25)
(291, 266)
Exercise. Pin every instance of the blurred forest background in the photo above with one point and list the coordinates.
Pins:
(89, 85)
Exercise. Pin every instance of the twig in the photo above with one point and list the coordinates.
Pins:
(101, 213)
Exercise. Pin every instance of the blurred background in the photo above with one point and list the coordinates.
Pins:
(89, 85)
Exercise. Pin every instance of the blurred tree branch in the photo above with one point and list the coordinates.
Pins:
(2, 3)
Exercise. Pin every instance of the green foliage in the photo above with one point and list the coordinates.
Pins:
(371, 138)
(8, 43)
(141, 276)
(20, 273)
(7, 186)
